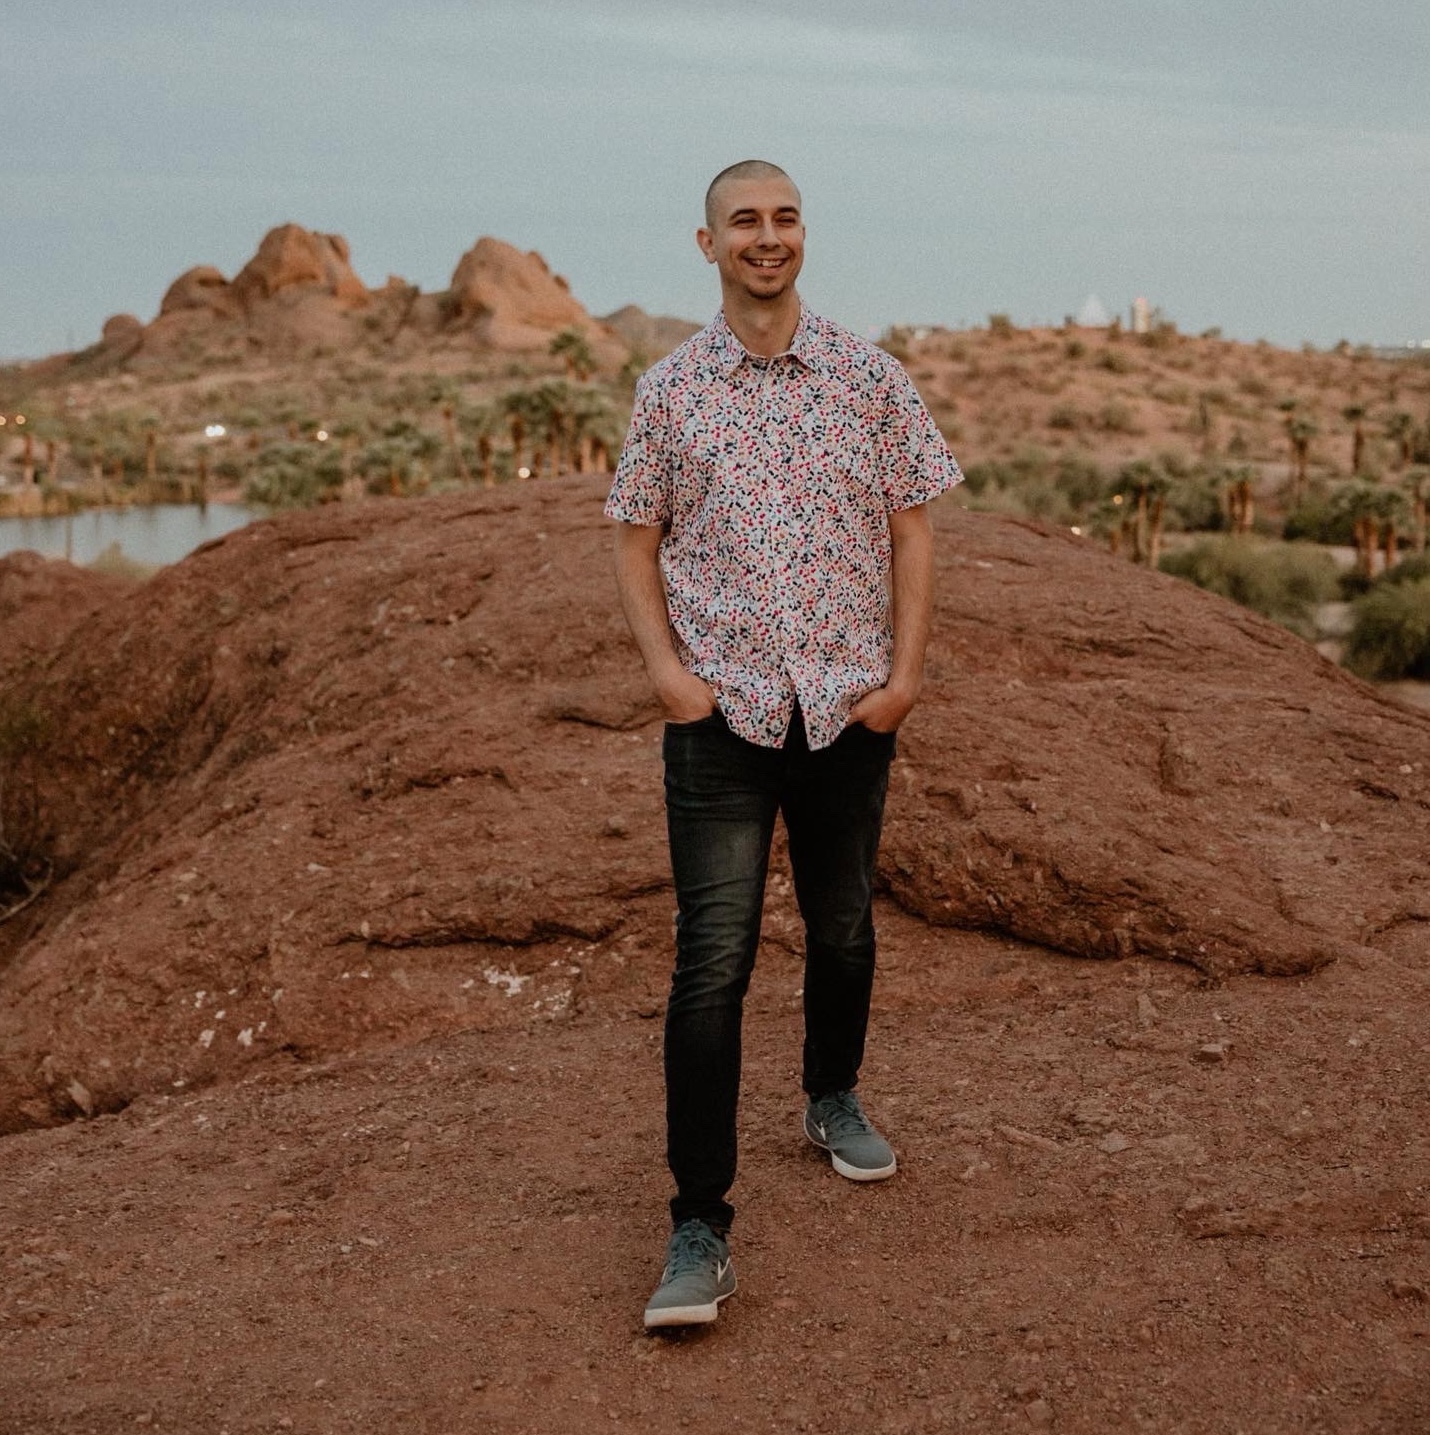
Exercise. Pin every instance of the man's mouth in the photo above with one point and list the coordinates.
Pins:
(766, 263)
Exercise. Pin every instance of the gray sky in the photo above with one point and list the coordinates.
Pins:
(1263, 167)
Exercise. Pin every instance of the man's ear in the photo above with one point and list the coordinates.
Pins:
(706, 241)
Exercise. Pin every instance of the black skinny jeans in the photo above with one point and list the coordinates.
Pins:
(722, 794)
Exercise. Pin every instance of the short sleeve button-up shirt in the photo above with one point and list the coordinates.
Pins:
(774, 479)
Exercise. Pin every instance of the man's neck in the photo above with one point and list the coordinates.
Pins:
(765, 329)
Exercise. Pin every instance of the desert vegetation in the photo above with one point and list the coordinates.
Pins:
(1164, 447)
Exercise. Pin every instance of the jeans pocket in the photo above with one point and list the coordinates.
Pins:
(709, 720)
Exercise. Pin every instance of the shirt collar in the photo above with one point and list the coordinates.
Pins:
(730, 353)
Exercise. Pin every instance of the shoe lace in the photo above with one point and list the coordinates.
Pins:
(842, 1115)
(693, 1246)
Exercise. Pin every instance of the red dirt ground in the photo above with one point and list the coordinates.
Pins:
(379, 787)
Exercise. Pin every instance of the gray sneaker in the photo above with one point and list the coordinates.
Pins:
(698, 1275)
(838, 1124)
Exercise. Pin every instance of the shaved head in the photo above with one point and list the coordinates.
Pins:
(745, 169)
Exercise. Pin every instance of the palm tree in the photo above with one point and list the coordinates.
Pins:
(524, 414)
(482, 421)
(1300, 431)
(1416, 482)
(1149, 493)
(1354, 414)
(571, 346)
(1240, 501)
(593, 423)
(1376, 513)
(1400, 430)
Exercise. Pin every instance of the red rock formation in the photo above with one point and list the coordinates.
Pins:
(292, 257)
(204, 288)
(511, 300)
(326, 764)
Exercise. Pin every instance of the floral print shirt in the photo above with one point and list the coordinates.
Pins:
(774, 479)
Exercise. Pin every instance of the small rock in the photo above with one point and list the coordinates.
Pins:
(1028, 1138)
(1146, 1012)
(1408, 1290)
(1114, 1142)
(79, 1094)
(1039, 1413)
(615, 827)
(1213, 1051)
(279, 1217)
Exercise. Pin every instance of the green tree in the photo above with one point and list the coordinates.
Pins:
(1354, 414)
(1400, 430)
(573, 348)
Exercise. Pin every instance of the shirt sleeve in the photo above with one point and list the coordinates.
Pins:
(640, 492)
(913, 462)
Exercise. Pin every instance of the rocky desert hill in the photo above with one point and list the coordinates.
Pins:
(347, 756)
(326, 1052)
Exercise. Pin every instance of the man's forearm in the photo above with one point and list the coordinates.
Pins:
(912, 538)
(683, 696)
(643, 597)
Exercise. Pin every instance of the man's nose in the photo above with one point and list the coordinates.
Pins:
(768, 234)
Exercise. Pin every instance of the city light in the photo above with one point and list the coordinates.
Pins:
(214, 431)
(321, 435)
(19, 418)
(523, 472)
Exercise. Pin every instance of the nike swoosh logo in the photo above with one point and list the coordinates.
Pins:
(822, 1129)
(720, 1270)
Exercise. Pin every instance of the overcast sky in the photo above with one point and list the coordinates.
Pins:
(1260, 166)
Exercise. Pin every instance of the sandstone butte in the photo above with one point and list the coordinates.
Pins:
(297, 785)
(300, 291)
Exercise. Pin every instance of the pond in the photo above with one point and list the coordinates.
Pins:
(154, 533)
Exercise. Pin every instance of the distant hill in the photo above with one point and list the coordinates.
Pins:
(298, 297)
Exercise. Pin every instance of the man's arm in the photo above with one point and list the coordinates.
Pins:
(682, 696)
(912, 537)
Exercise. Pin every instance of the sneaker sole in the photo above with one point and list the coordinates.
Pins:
(852, 1173)
(686, 1314)
(862, 1173)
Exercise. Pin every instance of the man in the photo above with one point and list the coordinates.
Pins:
(771, 498)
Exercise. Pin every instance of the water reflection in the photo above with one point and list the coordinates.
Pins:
(154, 533)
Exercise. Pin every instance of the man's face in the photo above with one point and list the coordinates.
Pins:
(758, 238)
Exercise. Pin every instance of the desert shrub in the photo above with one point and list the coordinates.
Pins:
(1115, 362)
(293, 475)
(1082, 482)
(1065, 416)
(118, 564)
(1194, 503)
(1323, 516)
(1033, 485)
(1074, 348)
(1281, 581)
(1000, 326)
(1390, 633)
(1408, 570)
(1117, 417)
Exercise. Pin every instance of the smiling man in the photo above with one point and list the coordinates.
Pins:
(775, 563)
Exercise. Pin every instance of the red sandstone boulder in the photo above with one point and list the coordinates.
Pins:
(203, 288)
(122, 333)
(511, 300)
(291, 257)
